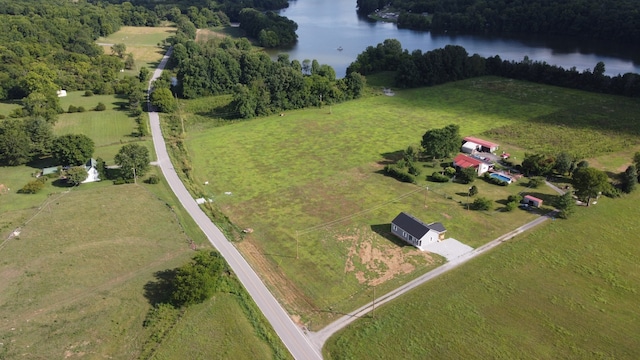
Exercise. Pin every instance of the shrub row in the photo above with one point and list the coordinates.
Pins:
(437, 177)
(399, 174)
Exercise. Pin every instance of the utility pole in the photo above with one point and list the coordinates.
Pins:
(134, 176)
(373, 304)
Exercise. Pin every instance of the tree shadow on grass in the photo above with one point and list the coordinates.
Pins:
(159, 291)
(41, 163)
(384, 230)
(61, 183)
(391, 157)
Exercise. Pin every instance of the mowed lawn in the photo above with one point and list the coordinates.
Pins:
(568, 290)
(141, 41)
(309, 183)
(109, 129)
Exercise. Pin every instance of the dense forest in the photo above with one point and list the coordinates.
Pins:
(454, 63)
(603, 19)
(231, 8)
(259, 85)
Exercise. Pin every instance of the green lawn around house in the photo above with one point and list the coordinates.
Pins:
(310, 183)
(109, 129)
(566, 290)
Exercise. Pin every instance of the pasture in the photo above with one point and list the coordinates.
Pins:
(566, 290)
(73, 282)
(310, 182)
(141, 41)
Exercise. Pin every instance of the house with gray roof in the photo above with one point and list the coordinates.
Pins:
(415, 232)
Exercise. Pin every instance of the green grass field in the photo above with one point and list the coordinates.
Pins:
(215, 329)
(72, 282)
(6, 107)
(310, 184)
(109, 129)
(567, 290)
(141, 42)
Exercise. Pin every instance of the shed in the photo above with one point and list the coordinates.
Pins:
(532, 201)
(415, 232)
(469, 147)
(485, 146)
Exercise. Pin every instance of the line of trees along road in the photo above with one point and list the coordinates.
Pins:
(603, 19)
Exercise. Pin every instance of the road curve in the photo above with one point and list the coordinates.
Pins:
(320, 337)
(291, 335)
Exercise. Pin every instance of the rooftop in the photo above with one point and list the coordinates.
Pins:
(465, 161)
(484, 143)
(415, 227)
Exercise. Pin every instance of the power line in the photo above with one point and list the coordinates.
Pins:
(339, 220)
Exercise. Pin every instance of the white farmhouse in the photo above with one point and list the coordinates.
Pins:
(92, 171)
(415, 232)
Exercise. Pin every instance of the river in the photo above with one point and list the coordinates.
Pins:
(324, 26)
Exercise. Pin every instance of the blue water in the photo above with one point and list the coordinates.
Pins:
(501, 177)
(326, 25)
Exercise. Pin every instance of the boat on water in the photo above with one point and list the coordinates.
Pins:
(340, 48)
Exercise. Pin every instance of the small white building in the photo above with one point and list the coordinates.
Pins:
(92, 171)
(470, 147)
(415, 232)
(482, 145)
(61, 93)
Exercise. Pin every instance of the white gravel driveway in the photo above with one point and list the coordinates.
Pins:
(449, 248)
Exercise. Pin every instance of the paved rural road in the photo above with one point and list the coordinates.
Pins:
(320, 337)
(291, 335)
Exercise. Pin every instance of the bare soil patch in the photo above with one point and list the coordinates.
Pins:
(382, 260)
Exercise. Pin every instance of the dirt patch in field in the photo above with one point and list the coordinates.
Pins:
(375, 261)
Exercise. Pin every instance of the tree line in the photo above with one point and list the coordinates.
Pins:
(453, 63)
(259, 85)
(602, 19)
